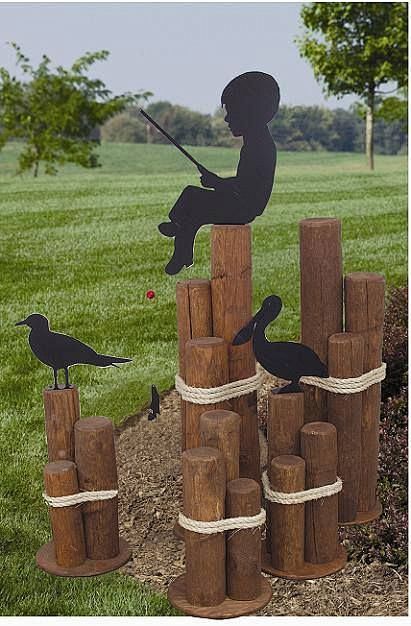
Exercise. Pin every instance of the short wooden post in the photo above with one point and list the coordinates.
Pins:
(364, 314)
(61, 411)
(221, 430)
(285, 419)
(231, 290)
(243, 546)
(204, 489)
(96, 466)
(194, 319)
(60, 479)
(345, 360)
(206, 365)
(287, 475)
(321, 297)
(319, 450)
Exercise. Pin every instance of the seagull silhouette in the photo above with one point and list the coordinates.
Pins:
(60, 351)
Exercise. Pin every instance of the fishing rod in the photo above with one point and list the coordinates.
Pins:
(198, 165)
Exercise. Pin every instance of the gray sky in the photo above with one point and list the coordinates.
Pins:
(183, 52)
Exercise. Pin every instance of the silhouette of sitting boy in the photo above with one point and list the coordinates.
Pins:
(251, 101)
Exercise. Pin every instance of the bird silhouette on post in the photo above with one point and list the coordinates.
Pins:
(60, 351)
(285, 359)
(154, 408)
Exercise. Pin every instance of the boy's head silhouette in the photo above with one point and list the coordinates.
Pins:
(251, 100)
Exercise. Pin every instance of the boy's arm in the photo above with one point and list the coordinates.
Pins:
(212, 181)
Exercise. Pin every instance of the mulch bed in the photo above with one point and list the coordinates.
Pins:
(150, 486)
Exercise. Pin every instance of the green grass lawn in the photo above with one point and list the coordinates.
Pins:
(83, 248)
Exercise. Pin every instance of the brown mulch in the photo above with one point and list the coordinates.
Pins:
(150, 486)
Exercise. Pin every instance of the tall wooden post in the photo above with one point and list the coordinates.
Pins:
(206, 365)
(221, 430)
(96, 466)
(319, 450)
(60, 479)
(345, 360)
(231, 290)
(243, 546)
(204, 489)
(194, 319)
(61, 412)
(364, 314)
(321, 297)
(287, 475)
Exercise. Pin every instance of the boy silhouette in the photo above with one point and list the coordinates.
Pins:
(251, 101)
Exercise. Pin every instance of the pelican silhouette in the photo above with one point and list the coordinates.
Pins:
(285, 359)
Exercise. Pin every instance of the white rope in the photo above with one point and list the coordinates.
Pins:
(221, 525)
(347, 385)
(79, 498)
(298, 497)
(211, 395)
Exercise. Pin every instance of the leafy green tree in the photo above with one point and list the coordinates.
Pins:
(124, 128)
(55, 111)
(356, 47)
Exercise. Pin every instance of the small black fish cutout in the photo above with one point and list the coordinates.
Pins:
(285, 359)
(154, 409)
(60, 351)
(251, 100)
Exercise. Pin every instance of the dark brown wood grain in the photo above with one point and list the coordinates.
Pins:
(60, 479)
(221, 429)
(204, 490)
(61, 412)
(284, 421)
(346, 360)
(194, 319)
(206, 366)
(319, 450)
(231, 290)
(321, 283)
(364, 314)
(243, 546)
(287, 474)
(96, 467)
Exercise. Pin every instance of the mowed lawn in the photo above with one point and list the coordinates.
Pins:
(83, 249)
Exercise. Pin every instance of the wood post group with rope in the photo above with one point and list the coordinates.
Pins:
(81, 491)
(322, 442)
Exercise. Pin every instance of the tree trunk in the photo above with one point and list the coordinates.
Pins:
(369, 128)
(36, 169)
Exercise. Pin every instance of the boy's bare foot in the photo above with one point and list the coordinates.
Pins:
(168, 229)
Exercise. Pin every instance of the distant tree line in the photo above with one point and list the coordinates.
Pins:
(295, 128)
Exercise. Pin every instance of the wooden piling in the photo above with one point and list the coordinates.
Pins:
(321, 283)
(231, 290)
(285, 419)
(287, 475)
(61, 412)
(346, 360)
(221, 430)
(243, 546)
(60, 479)
(364, 314)
(96, 467)
(194, 319)
(206, 365)
(319, 450)
(204, 490)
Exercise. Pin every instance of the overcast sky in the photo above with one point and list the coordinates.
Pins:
(183, 52)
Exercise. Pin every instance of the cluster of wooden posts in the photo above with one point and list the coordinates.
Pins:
(82, 459)
(313, 436)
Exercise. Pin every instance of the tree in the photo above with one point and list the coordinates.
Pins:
(124, 128)
(55, 112)
(356, 47)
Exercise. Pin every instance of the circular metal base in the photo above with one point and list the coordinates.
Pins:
(308, 570)
(46, 560)
(365, 517)
(228, 608)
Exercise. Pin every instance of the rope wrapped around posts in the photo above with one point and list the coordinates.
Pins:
(220, 526)
(299, 497)
(210, 395)
(347, 385)
(79, 498)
